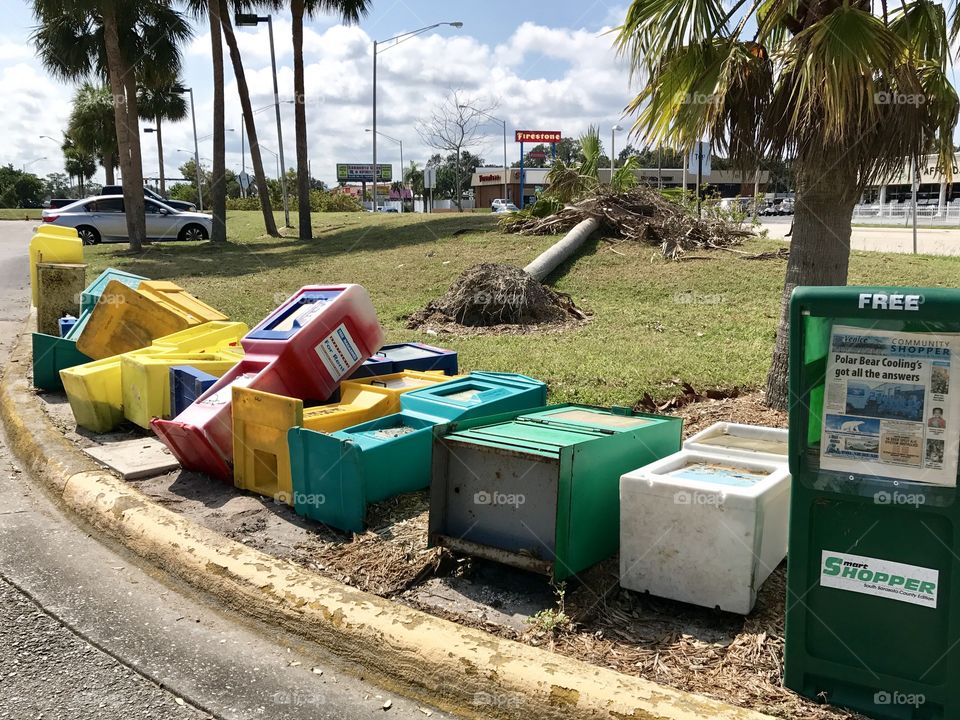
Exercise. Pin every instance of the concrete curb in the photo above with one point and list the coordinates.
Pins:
(429, 658)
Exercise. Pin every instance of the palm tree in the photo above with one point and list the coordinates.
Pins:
(159, 104)
(848, 90)
(78, 163)
(125, 41)
(243, 90)
(218, 187)
(91, 126)
(349, 11)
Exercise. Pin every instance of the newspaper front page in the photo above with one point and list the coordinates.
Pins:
(892, 405)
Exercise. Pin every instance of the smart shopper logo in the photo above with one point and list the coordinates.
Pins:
(882, 578)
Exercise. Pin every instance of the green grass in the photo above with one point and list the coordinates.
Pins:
(19, 214)
(710, 322)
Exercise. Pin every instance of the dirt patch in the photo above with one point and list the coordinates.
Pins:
(734, 659)
(492, 295)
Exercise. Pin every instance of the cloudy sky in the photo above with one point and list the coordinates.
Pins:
(548, 66)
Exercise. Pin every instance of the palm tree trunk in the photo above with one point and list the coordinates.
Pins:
(117, 70)
(263, 189)
(303, 174)
(137, 209)
(107, 162)
(218, 187)
(819, 255)
(163, 181)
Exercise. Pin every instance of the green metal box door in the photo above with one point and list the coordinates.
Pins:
(871, 623)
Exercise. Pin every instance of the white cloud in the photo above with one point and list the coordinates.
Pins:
(542, 78)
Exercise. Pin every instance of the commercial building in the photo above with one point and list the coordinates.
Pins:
(488, 182)
(935, 193)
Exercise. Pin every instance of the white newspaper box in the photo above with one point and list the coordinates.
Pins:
(705, 528)
(753, 441)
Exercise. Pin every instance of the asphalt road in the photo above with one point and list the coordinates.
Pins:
(87, 630)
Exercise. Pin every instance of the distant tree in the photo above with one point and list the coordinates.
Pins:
(92, 126)
(452, 128)
(57, 185)
(19, 189)
(160, 104)
(78, 163)
(348, 12)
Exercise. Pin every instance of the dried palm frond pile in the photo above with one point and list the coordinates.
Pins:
(492, 294)
(640, 215)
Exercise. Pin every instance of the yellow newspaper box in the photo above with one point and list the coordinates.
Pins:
(126, 319)
(52, 244)
(261, 458)
(146, 379)
(96, 389)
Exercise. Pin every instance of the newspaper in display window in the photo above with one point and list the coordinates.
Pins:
(892, 405)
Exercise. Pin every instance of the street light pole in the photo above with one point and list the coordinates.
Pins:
(400, 38)
(196, 146)
(196, 152)
(504, 123)
(613, 152)
(276, 104)
(249, 20)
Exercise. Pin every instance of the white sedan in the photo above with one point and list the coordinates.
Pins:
(102, 219)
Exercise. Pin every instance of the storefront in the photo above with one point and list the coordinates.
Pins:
(488, 182)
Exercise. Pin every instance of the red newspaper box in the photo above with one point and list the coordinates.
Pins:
(303, 349)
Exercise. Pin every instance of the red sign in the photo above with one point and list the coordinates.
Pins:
(538, 136)
(537, 155)
(489, 178)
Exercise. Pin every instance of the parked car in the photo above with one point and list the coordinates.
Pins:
(148, 193)
(499, 202)
(506, 208)
(101, 218)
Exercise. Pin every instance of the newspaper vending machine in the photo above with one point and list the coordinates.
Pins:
(872, 620)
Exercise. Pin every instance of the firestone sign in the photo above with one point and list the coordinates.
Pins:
(538, 136)
(490, 178)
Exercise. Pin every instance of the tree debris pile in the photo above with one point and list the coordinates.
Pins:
(492, 294)
(640, 215)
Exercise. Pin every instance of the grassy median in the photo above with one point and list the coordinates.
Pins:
(708, 320)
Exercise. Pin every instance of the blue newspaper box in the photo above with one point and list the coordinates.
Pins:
(186, 385)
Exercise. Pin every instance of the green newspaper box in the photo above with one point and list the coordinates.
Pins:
(871, 620)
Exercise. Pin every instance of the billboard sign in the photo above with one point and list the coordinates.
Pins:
(363, 172)
(538, 136)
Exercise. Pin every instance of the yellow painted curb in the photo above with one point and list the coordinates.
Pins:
(433, 659)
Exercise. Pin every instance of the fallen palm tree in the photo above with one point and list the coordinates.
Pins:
(496, 295)
(640, 215)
